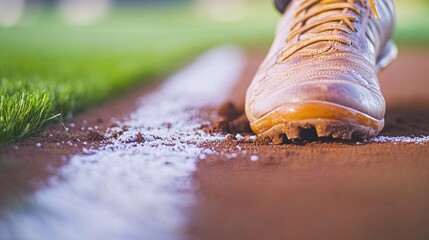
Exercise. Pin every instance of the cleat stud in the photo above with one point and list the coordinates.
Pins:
(293, 133)
(279, 139)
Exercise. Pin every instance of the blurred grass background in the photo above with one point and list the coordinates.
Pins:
(51, 68)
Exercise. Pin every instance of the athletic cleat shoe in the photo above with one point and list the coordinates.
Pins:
(321, 72)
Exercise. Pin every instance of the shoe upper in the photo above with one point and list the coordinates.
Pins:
(325, 50)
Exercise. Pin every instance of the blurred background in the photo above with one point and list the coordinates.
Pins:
(61, 56)
(25, 13)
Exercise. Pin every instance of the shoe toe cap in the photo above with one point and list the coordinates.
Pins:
(333, 90)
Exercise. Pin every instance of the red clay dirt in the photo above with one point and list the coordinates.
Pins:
(322, 189)
(304, 190)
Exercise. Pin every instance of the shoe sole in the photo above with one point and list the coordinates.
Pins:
(292, 121)
(322, 119)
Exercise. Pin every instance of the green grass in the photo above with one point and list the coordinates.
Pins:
(412, 29)
(51, 70)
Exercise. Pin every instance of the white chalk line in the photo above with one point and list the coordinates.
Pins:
(135, 190)
(400, 139)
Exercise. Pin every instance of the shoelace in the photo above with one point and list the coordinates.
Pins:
(344, 23)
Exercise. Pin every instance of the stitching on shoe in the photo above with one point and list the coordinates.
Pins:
(370, 88)
(324, 65)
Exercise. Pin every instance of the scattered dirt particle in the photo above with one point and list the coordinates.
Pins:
(117, 134)
(167, 125)
(247, 139)
(157, 137)
(230, 138)
(168, 144)
(140, 138)
(94, 136)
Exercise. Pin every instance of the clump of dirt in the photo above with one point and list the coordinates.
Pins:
(228, 111)
(230, 120)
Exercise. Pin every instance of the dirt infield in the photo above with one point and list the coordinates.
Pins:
(247, 189)
(323, 189)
